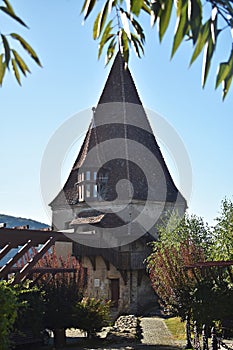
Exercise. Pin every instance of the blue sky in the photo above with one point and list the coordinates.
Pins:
(72, 79)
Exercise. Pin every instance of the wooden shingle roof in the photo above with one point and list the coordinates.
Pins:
(119, 115)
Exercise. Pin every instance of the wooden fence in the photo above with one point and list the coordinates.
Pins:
(200, 340)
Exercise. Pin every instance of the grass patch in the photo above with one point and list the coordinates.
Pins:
(176, 327)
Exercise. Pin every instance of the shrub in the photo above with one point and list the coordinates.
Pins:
(92, 315)
(8, 313)
(30, 309)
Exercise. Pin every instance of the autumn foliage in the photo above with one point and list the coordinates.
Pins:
(170, 279)
(205, 294)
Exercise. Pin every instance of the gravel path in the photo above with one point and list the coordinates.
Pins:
(155, 332)
(155, 336)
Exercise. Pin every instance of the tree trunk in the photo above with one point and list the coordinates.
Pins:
(59, 338)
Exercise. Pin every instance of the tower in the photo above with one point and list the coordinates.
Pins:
(117, 191)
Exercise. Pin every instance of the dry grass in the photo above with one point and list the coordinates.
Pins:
(176, 327)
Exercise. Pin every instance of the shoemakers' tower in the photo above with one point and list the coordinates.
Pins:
(117, 192)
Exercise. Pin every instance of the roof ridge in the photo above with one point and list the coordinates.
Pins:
(120, 87)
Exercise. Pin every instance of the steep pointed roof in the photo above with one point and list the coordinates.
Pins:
(120, 86)
(121, 141)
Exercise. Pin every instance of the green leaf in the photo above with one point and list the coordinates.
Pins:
(181, 29)
(110, 51)
(13, 15)
(137, 45)
(225, 74)
(146, 7)
(201, 41)
(213, 24)
(226, 85)
(165, 15)
(136, 25)
(101, 45)
(6, 49)
(180, 4)
(208, 54)
(138, 29)
(2, 68)
(8, 5)
(124, 45)
(136, 6)
(106, 36)
(155, 12)
(88, 7)
(16, 71)
(224, 70)
(95, 26)
(195, 18)
(27, 47)
(20, 62)
(125, 23)
(100, 21)
(112, 3)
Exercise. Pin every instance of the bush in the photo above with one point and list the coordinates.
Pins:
(212, 302)
(60, 292)
(92, 315)
(8, 313)
(205, 295)
(30, 309)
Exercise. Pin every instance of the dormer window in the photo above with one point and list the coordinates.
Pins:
(88, 190)
(88, 175)
(80, 177)
(86, 186)
(81, 193)
(103, 178)
(95, 191)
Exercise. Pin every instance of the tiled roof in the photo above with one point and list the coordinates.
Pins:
(95, 217)
(120, 116)
(119, 86)
(87, 220)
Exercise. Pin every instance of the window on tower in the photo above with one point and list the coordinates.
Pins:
(86, 185)
(88, 190)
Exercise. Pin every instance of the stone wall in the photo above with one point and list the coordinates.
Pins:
(135, 292)
(99, 282)
(133, 297)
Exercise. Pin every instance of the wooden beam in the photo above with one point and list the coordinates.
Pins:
(21, 275)
(195, 275)
(6, 268)
(33, 283)
(124, 276)
(93, 262)
(44, 270)
(5, 250)
(107, 263)
(140, 276)
(211, 264)
(18, 237)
